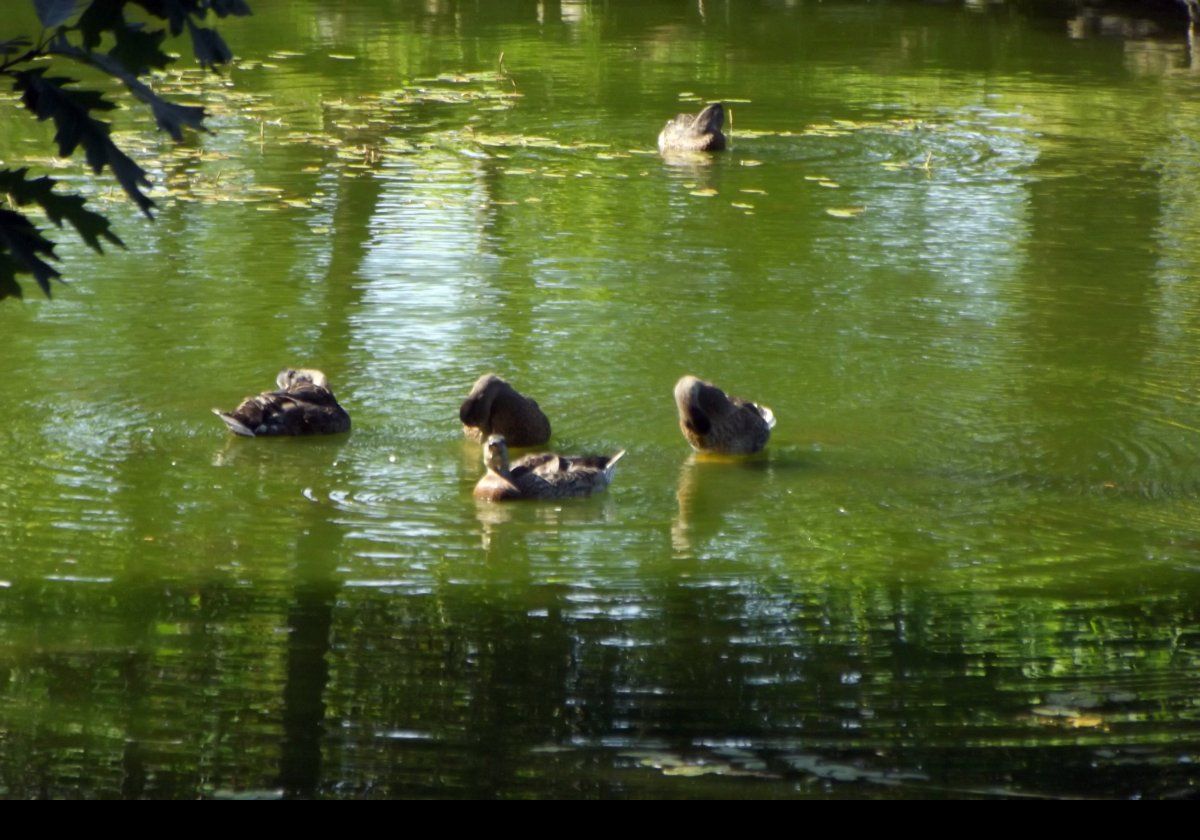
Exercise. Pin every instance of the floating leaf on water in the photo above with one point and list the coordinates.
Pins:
(285, 54)
(1073, 718)
(829, 185)
(845, 212)
(691, 770)
(707, 192)
(741, 205)
(816, 177)
(752, 191)
(750, 162)
(343, 56)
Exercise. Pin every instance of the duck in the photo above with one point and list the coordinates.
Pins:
(545, 475)
(712, 421)
(303, 404)
(700, 133)
(495, 407)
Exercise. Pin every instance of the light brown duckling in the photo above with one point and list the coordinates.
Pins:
(303, 405)
(700, 133)
(714, 422)
(495, 407)
(541, 476)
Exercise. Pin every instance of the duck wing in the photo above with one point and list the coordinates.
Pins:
(309, 393)
(541, 462)
(287, 413)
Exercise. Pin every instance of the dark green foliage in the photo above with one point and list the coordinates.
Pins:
(54, 13)
(21, 239)
(48, 98)
(100, 37)
(21, 191)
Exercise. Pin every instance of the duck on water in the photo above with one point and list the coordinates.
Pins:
(698, 133)
(303, 404)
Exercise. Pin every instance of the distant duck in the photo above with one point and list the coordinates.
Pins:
(495, 407)
(541, 476)
(714, 422)
(303, 405)
(700, 133)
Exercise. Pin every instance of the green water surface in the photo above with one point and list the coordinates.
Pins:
(956, 251)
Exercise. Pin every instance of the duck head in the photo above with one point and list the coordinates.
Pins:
(710, 120)
(495, 454)
(699, 403)
(477, 407)
(289, 378)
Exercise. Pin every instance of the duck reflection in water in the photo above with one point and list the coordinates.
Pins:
(713, 488)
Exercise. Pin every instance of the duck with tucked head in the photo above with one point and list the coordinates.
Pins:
(712, 421)
(699, 133)
(495, 407)
(541, 476)
(302, 405)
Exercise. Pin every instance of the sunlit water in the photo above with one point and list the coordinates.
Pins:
(954, 251)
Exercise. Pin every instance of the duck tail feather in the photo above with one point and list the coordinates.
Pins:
(236, 426)
(612, 462)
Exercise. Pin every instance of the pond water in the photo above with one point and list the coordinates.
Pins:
(956, 250)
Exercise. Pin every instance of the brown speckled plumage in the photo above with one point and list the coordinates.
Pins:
(712, 421)
(495, 407)
(541, 476)
(699, 133)
(302, 405)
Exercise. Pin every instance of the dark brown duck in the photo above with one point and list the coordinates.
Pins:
(712, 421)
(495, 407)
(542, 476)
(302, 405)
(699, 133)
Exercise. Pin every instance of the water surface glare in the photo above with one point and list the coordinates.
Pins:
(955, 250)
